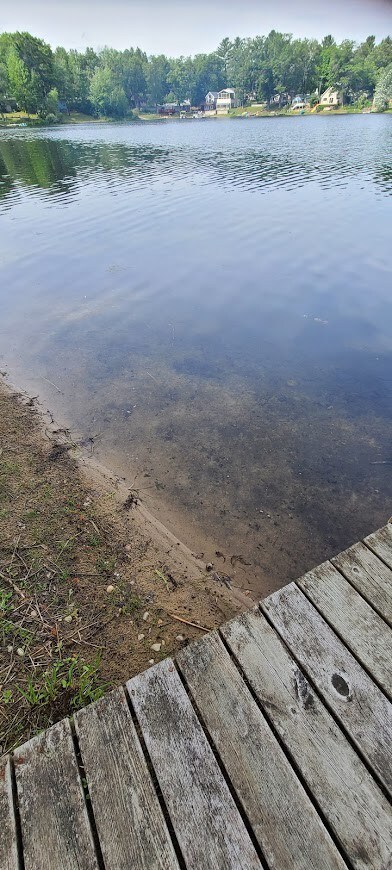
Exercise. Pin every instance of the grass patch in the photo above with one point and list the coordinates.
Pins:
(78, 583)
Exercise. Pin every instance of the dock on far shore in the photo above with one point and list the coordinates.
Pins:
(267, 743)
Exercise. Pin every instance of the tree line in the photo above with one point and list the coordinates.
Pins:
(113, 83)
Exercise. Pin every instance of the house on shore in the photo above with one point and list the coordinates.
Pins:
(175, 108)
(331, 97)
(280, 100)
(210, 101)
(299, 103)
(226, 100)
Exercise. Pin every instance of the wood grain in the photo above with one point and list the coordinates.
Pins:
(361, 629)
(381, 543)
(370, 577)
(8, 843)
(206, 821)
(346, 688)
(270, 792)
(130, 824)
(342, 787)
(55, 826)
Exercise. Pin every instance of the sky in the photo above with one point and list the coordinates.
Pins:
(175, 27)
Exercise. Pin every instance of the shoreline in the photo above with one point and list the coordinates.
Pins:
(93, 588)
(244, 114)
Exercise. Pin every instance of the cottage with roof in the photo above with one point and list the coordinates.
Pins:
(331, 97)
(210, 101)
(226, 100)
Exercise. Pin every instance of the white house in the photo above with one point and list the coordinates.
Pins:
(226, 100)
(331, 97)
(299, 103)
(210, 101)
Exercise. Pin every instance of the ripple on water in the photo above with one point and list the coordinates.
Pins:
(214, 299)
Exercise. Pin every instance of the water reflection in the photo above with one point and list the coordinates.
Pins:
(214, 300)
(331, 157)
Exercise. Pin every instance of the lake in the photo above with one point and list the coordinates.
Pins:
(214, 301)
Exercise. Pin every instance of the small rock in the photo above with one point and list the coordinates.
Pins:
(33, 613)
(10, 648)
(209, 566)
(140, 636)
(180, 637)
(128, 548)
(20, 651)
(156, 647)
(67, 618)
(110, 588)
(146, 615)
(160, 622)
(151, 661)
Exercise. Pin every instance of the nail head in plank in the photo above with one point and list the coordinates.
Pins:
(55, 826)
(362, 630)
(370, 577)
(269, 790)
(206, 821)
(346, 688)
(381, 543)
(8, 841)
(342, 787)
(129, 820)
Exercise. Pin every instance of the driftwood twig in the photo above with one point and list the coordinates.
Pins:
(187, 622)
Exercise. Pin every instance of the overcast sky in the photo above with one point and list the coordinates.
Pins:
(175, 27)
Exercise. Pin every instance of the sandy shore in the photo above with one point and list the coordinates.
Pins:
(92, 587)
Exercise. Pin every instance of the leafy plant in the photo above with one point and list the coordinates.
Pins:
(78, 678)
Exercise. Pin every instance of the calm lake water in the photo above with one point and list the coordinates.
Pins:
(214, 301)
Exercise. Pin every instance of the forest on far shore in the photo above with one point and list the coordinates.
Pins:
(113, 83)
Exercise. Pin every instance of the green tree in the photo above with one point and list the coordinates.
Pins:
(107, 97)
(224, 52)
(383, 92)
(51, 104)
(30, 70)
(62, 74)
(157, 71)
(382, 53)
(134, 83)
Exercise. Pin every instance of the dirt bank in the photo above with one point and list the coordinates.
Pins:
(89, 581)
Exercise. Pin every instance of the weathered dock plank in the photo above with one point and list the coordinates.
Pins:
(361, 629)
(129, 820)
(8, 843)
(346, 688)
(55, 826)
(270, 792)
(344, 790)
(381, 543)
(370, 577)
(208, 826)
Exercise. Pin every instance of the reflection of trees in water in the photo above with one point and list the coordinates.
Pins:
(383, 177)
(36, 163)
(59, 167)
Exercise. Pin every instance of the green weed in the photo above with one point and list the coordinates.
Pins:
(79, 679)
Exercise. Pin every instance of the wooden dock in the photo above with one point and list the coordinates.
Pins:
(264, 744)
